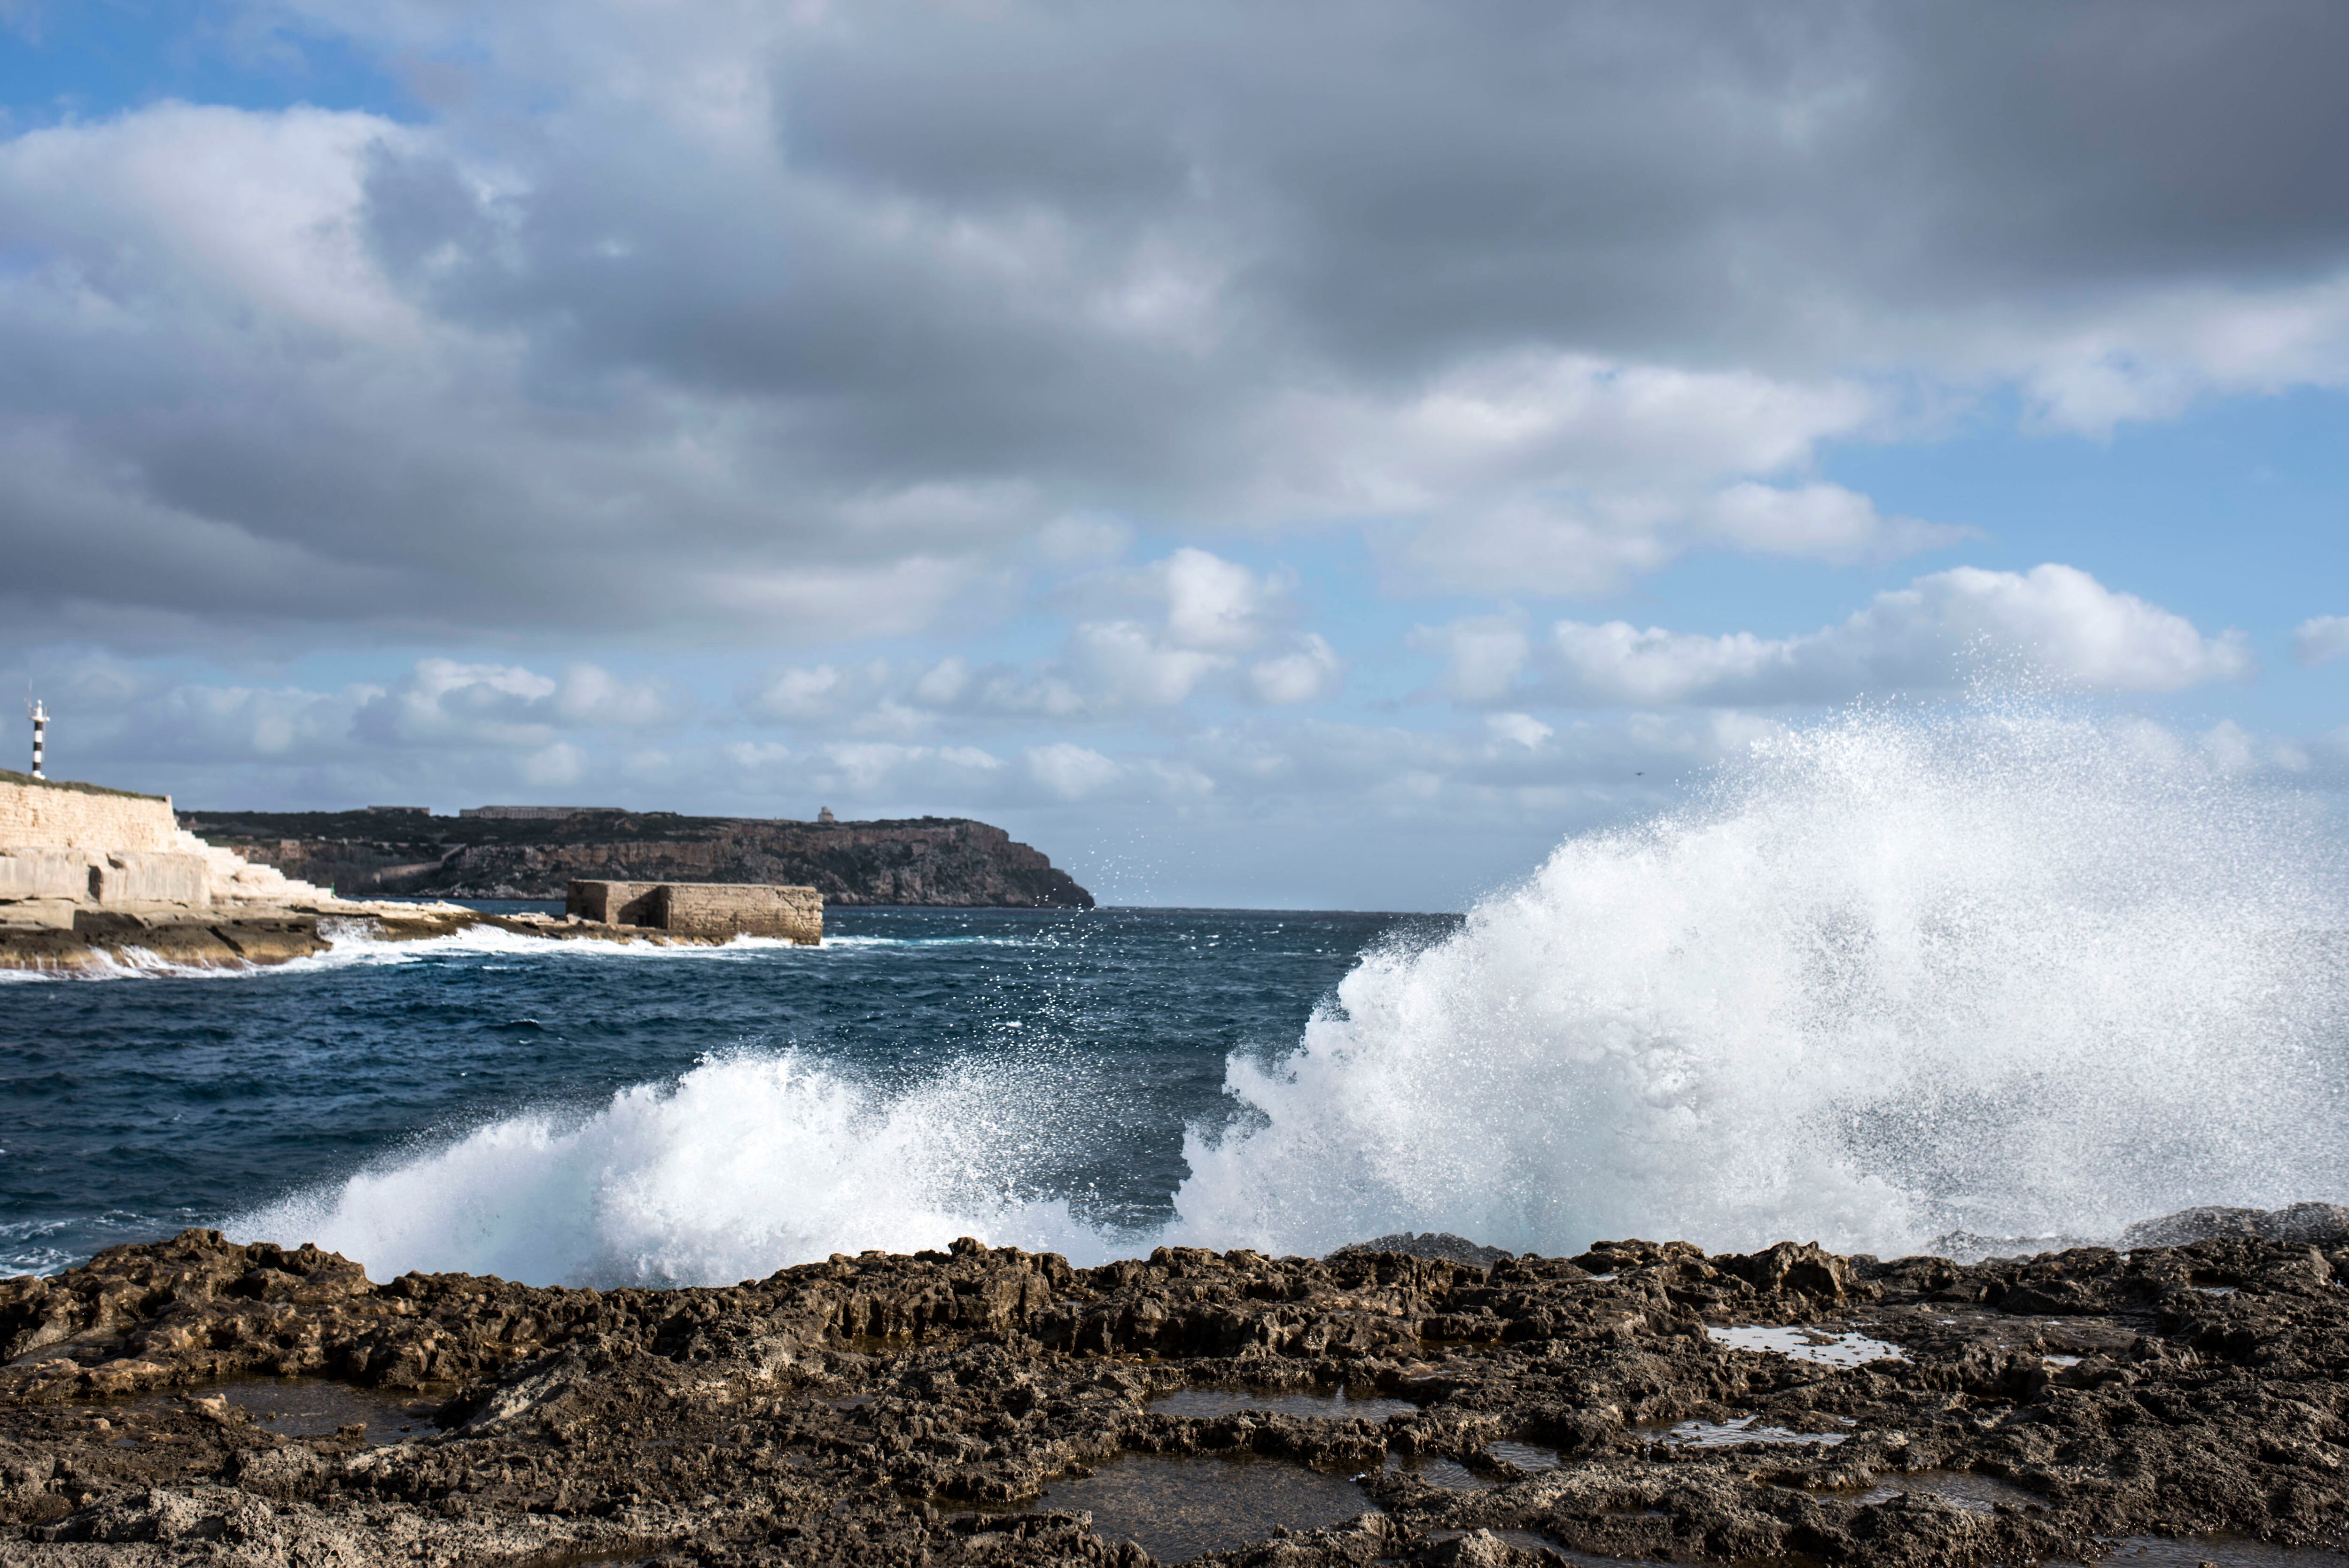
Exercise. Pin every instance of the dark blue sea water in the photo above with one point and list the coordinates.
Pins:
(136, 1105)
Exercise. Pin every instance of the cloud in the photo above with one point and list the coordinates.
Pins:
(2152, 359)
(1560, 472)
(1522, 728)
(439, 718)
(1207, 614)
(588, 695)
(1310, 670)
(561, 763)
(1201, 617)
(1823, 522)
(443, 701)
(788, 325)
(2057, 621)
(1211, 602)
(2320, 639)
(1482, 655)
(1071, 771)
(814, 693)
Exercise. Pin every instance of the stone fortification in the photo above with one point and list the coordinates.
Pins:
(703, 909)
(90, 876)
(37, 813)
(67, 849)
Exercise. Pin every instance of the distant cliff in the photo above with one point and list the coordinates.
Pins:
(373, 854)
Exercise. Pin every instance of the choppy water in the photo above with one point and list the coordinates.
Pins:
(1061, 1054)
(2011, 972)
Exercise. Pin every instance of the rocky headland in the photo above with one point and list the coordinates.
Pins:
(990, 1406)
(101, 880)
(949, 861)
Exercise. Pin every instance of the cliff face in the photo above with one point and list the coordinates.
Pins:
(926, 861)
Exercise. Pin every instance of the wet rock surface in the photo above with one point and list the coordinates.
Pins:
(938, 1408)
(127, 939)
(104, 940)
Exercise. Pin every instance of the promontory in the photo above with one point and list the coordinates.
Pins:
(534, 851)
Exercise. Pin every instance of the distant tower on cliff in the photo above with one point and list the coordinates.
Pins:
(824, 814)
(40, 718)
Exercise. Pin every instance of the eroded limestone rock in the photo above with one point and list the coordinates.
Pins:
(887, 1409)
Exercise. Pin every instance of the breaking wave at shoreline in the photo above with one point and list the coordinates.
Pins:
(2003, 970)
(2000, 972)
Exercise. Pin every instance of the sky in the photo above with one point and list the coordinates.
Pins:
(1303, 456)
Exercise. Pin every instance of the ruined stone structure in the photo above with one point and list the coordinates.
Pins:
(703, 909)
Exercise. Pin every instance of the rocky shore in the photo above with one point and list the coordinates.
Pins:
(990, 1406)
(273, 932)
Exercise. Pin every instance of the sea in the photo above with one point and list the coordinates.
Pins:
(2015, 973)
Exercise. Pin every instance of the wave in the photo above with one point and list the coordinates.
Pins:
(2001, 971)
(744, 1165)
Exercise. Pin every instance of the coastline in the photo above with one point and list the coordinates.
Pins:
(266, 935)
(879, 1408)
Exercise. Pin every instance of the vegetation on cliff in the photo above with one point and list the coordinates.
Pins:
(920, 861)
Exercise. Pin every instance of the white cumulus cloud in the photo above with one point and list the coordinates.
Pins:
(1072, 771)
(2057, 621)
(2320, 639)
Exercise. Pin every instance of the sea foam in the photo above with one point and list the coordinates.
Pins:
(743, 1165)
(2001, 971)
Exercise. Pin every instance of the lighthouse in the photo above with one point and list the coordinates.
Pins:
(40, 718)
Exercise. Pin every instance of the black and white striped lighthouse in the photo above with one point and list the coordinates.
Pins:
(40, 717)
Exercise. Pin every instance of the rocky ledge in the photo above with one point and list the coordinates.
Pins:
(1640, 1401)
(243, 936)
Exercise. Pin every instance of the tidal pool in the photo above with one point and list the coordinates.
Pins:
(1816, 1345)
(1728, 1434)
(1175, 1508)
(318, 1408)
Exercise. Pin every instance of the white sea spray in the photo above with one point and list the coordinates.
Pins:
(2002, 970)
(746, 1165)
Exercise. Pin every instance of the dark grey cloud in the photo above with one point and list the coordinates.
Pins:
(735, 325)
(1407, 182)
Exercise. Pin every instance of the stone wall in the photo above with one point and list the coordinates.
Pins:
(53, 816)
(740, 909)
(703, 909)
(68, 848)
(130, 880)
(42, 872)
(613, 902)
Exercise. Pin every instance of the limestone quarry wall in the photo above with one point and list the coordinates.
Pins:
(65, 848)
(51, 816)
